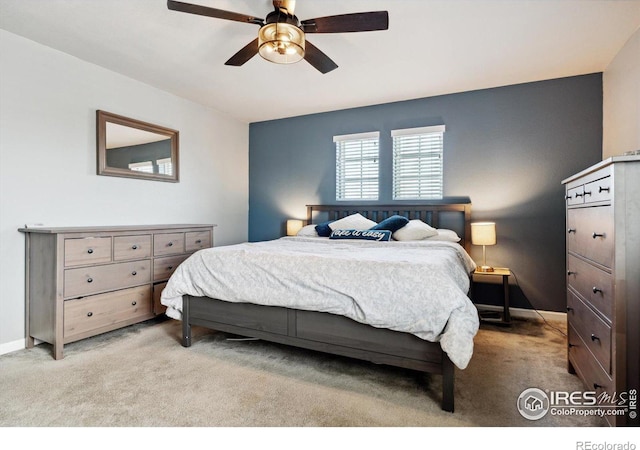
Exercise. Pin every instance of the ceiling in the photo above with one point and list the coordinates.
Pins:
(432, 47)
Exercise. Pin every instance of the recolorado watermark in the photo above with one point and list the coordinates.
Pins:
(589, 445)
(534, 404)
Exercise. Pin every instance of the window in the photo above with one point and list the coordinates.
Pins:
(417, 163)
(145, 166)
(357, 166)
(165, 166)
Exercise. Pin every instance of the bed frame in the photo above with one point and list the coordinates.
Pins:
(335, 334)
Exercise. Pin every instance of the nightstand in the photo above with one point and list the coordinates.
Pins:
(505, 273)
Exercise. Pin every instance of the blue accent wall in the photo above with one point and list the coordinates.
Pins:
(507, 149)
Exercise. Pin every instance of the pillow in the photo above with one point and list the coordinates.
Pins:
(393, 223)
(445, 235)
(368, 235)
(353, 222)
(415, 230)
(323, 229)
(308, 231)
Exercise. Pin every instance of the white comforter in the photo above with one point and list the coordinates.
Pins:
(417, 287)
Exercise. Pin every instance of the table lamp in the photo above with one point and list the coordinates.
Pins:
(483, 233)
(293, 226)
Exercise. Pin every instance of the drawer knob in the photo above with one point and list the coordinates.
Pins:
(570, 273)
(134, 303)
(567, 197)
(578, 194)
(90, 251)
(170, 267)
(571, 345)
(596, 235)
(603, 189)
(199, 241)
(135, 247)
(594, 337)
(89, 314)
(587, 193)
(571, 230)
(569, 309)
(170, 244)
(134, 273)
(89, 280)
(597, 386)
(596, 290)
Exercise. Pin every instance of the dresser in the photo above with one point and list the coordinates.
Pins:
(603, 281)
(83, 281)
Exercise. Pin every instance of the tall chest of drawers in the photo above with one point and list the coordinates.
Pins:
(603, 283)
(83, 281)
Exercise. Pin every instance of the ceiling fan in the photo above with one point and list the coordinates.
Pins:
(281, 38)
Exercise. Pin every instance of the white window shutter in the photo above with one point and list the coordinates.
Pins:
(417, 163)
(357, 166)
(165, 166)
(145, 166)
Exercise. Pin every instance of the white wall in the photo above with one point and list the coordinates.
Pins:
(621, 101)
(48, 102)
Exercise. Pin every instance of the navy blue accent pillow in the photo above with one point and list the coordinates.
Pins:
(393, 223)
(367, 235)
(323, 229)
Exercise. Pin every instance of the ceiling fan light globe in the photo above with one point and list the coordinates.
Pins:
(281, 43)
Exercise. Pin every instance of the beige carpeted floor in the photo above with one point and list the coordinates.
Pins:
(142, 377)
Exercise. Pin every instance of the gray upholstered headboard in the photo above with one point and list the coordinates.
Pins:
(454, 216)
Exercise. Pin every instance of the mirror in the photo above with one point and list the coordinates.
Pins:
(134, 149)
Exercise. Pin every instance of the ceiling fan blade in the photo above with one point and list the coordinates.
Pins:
(347, 23)
(244, 55)
(212, 12)
(314, 56)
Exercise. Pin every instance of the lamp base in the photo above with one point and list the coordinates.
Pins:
(484, 269)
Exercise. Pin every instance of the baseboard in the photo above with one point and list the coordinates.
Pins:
(13, 346)
(528, 314)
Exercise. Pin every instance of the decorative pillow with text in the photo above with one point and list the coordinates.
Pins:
(367, 235)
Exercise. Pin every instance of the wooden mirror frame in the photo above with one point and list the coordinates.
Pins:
(103, 117)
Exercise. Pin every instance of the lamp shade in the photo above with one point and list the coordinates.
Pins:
(483, 233)
(293, 226)
(281, 43)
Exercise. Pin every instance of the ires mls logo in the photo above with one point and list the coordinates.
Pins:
(534, 403)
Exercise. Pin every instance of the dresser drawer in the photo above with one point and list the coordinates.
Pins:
(592, 375)
(131, 247)
(575, 196)
(598, 191)
(168, 244)
(164, 267)
(197, 240)
(593, 284)
(83, 251)
(595, 333)
(86, 315)
(590, 233)
(91, 280)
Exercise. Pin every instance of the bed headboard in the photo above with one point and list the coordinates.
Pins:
(454, 216)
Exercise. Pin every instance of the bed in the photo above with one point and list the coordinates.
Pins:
(400, 303)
